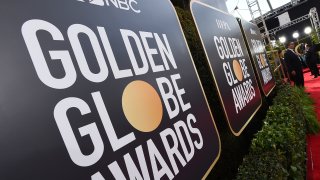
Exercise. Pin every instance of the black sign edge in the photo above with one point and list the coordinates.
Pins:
(252, 59)
(203, 93)
(214, 78)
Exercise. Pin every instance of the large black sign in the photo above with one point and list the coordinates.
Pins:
(230, 64)
(259, 56)
(100, 90)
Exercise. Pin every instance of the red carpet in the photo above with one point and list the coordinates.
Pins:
(313, 141)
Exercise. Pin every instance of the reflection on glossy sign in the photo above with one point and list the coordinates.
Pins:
(230, 64)
(100, 90)
(252, 34)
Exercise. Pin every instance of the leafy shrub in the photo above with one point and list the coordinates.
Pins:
(190, 32)
(278, 149)
(308, 111)
(270, 165)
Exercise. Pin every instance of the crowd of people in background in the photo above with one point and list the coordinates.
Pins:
(294, 59)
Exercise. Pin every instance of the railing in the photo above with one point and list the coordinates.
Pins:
(277, 68)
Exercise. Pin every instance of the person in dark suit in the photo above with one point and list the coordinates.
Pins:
(294, 65)
(312, 58)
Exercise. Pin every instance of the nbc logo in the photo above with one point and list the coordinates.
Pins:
(120, 4)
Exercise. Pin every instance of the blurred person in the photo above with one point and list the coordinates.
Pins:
(294, 65)
(308, 60)
(300, 51)
(283, 65)
(312, 58)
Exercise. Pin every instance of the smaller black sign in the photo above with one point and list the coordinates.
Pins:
(230, 64)
(259, 56)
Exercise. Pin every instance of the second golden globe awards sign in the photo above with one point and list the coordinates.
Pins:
(259, 56)
(230, 64)
(100, 90)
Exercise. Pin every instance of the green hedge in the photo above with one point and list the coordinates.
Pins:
(309, 111)
(278, 150)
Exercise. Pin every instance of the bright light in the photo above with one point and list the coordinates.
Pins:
(282, 39)
(273, 43)
(295, 35)
(307, 30)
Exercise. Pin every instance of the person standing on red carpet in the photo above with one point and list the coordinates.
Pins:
(312, 58)
(294, 65)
